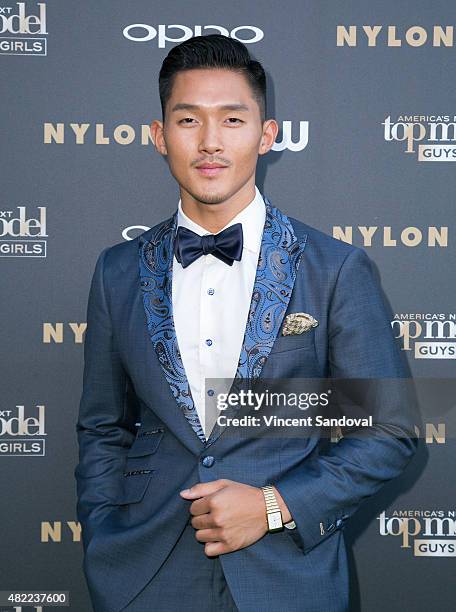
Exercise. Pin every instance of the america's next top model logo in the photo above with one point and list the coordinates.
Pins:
(26, 22)
(23, 236)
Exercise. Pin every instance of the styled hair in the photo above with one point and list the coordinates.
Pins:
(212, 51)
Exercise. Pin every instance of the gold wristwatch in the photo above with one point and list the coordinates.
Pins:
(273, 512)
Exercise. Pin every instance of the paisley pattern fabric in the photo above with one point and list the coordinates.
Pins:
(156, 260)
(278, 263)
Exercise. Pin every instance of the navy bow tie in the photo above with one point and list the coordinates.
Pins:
(226, 245)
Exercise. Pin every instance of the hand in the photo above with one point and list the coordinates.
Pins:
(228, 515)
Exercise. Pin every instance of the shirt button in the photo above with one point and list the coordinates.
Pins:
(210, 392)
(211, 291)
(208, 342)
(208, 461)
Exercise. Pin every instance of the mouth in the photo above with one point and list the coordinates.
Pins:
(210, 170)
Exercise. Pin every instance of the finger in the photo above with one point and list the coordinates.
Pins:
(202, 489)
(207, 535)
(203, 521)
(212, 549)
(200, 506)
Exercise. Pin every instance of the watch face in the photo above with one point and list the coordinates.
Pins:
(275, 520)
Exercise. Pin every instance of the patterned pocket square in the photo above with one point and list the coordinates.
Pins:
(297, 323)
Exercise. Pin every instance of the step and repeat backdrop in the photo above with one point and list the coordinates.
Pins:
(364, 96)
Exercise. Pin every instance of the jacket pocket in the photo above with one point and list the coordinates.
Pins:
(134, 486)
(306, 340)
(146, 443)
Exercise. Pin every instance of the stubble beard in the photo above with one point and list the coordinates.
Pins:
(209, 198)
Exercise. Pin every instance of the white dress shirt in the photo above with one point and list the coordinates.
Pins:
(211, 302)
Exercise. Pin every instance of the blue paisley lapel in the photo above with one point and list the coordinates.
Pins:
(278, 263)
(155, 264)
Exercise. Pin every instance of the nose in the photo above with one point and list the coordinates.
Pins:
(210, 139)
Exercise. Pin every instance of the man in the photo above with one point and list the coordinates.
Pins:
(177, 514)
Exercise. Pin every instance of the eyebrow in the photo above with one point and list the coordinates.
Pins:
(194, 107)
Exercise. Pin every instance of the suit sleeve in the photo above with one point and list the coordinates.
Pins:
(106, 423)
(324, 490)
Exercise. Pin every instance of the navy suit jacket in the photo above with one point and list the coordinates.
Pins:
(140, 440)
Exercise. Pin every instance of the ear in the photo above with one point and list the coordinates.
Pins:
(270, 131)
(156, 131)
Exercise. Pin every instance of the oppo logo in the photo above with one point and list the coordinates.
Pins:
(142, 32)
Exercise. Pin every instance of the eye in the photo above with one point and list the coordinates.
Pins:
(185, 119)
(230, 119)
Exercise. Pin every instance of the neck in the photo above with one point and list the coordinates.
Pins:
(214, 217)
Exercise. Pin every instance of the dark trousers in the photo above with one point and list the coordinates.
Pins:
(188, 580)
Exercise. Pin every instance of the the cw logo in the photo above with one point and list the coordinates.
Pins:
(287, 140)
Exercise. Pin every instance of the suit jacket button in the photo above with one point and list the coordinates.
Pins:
(208, 461)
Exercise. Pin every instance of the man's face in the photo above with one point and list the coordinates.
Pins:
(212, 118)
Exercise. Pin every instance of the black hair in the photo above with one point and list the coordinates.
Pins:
(212, 51)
